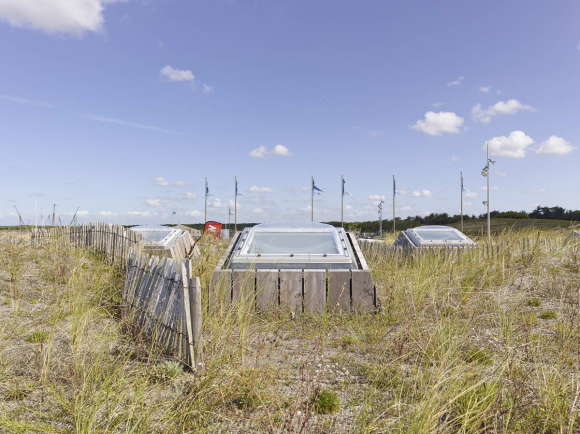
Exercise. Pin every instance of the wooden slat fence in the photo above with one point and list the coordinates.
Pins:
(164, 302)
(162, 298)
(114, 241)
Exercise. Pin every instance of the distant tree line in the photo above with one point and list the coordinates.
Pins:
(372, 226)
(540, 212)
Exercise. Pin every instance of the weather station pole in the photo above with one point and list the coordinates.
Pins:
(342, 201)
(394, 194)
(461, 187)
(206, 195)
(235, 204)
(488, 209)
(380, 206)
(312, 201)
(486, 172)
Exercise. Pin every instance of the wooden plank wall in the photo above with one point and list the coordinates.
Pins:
(296, 291)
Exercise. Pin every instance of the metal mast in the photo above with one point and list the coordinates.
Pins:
(206, 194)
(462, 189)
(380, 206)
(312, 201)
(235, 204)
(342, 182)
(394, 194)
(486, 172)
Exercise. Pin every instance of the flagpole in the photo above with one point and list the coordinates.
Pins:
(462, 201)
(206, 193)
(488, 213)
(312, 201)
(381, 218)
(342, 201)
(236, 204)
(394, 194)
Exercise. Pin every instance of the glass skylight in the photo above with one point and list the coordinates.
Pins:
(315, 243)
(439, 235)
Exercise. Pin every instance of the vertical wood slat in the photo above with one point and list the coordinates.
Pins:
(244, 286)
(363, 291)
(338, 291)
(195, 300)
(267, 290)
(187, 305)
(314, 291)
(291, 290)
(220, 293)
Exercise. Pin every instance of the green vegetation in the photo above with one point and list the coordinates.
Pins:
(38, 337)
(458, 346)
(548, 314)
(325, 402)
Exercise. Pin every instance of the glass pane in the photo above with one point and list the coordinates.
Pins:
(154, 236)
(292, 242)
(433, 235)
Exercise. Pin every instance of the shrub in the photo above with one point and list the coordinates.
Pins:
(548, 314)
(38, 337)
(168, 370)
(534, 302)
(326, 402)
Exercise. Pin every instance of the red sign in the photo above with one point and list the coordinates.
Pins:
(213, 228)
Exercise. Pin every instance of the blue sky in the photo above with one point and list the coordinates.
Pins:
(121, 108)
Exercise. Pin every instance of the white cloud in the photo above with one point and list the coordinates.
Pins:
(258, 211)
(262, 151)
(491, 188)
(456, 82)
(107, 213)
(421, 193)
(376, 133)
(555, 145)
(189, 195)
(164, 182)
(513, 146)
(206, 89)
(173, 74)
(259, 152)
(25, 101)
(160, 180)
(281, 150)
(258, 189)
(376, 197)
(139, 213)
(153, 202)
(509, 107)
(436, 124)
(82, 213)
(194, 213)
(485, 89)
(55, 16)
(438, 104)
